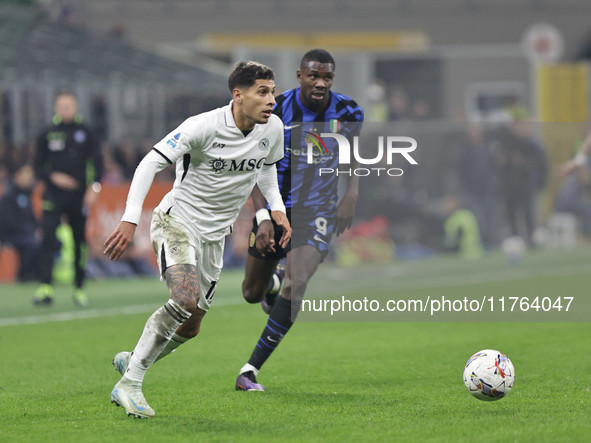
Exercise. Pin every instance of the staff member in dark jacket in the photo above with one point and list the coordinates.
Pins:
(18, 225)
(68, 160)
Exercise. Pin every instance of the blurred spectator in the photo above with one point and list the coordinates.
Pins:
(420, 110)
(113, 173)
(127, 156)
(4, 170)
(18, 224)
(461, 230)
(377, 110)
(65, 152)
(367, 242)
(574, 199)
(118, 31)
(479, 182)
(397, 105)
(410, 218)
(522, 165)
(6, 162)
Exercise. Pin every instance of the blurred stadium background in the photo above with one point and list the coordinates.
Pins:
(461, 76)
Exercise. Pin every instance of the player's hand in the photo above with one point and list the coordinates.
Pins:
(265, 239)
(119, 240)
(281, 219)
(64, 181)
(565, 168)
(345, 212)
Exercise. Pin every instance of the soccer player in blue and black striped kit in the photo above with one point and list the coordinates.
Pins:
(310, 200)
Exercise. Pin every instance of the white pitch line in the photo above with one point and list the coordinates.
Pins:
(77, 315)
(95, 313)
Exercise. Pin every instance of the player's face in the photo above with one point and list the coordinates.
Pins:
(257, 101)
(315, 81)
(66, 107)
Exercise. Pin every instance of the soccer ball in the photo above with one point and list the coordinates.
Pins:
(514, 249)
(489, 375)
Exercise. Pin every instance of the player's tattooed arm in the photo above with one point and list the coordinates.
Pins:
(183, 285)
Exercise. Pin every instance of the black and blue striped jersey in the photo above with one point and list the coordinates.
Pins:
(300, 183)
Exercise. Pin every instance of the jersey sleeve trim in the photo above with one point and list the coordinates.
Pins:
(165, 157)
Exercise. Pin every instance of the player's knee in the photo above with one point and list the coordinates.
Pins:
(297, 285)
(286, 290)
(252, 295)
(189, 304)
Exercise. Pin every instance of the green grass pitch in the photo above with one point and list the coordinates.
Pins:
(365, 381)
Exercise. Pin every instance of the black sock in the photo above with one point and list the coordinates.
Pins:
(277, 326)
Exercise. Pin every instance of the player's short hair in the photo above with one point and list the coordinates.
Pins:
(317, 55)
(245, 74)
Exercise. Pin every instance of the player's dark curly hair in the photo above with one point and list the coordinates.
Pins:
(245, 74)
(318, 55)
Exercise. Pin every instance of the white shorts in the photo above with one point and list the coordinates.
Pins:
(175, 245)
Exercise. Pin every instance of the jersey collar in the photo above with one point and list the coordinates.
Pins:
(229, 117)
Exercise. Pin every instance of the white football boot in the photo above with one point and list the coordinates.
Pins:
(121, 361)
(128, 393)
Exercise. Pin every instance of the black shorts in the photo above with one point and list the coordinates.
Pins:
(311, 229)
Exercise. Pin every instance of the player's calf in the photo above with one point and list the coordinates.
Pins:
(188, 330)
(273, 290)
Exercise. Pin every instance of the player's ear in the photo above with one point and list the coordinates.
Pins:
(299, 76)
(237, 95)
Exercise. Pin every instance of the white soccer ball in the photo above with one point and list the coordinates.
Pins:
(514, 249)
(489, 375)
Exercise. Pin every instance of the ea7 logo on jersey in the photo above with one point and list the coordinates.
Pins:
(218, 145)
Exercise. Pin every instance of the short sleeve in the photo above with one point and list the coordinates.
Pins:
(276, 151)
(357, 118)
(189, 135)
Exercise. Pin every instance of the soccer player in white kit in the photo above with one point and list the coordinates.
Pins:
(220, 155)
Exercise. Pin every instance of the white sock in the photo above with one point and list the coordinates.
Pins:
(248, 367)
(174, 342)
(158, 330)
(276, 284)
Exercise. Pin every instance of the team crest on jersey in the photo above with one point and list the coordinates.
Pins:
(335, 125)
(174, 249)
(80, 136)
(56, 145)
(56, 141)
(252, 239)
(264, 144)
(218, 164)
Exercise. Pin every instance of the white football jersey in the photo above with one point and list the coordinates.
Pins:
(216, 168)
